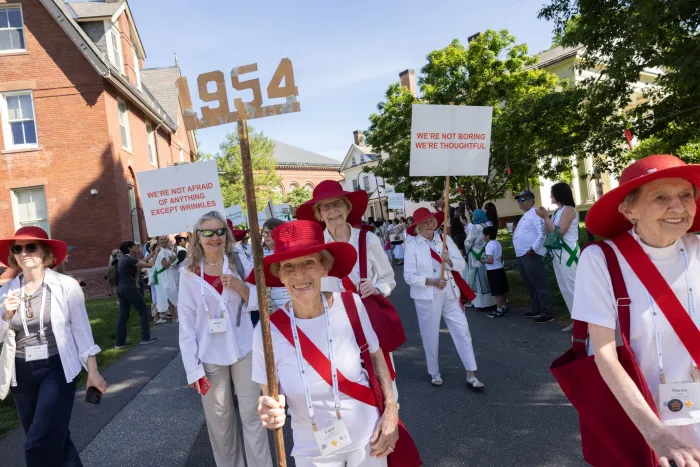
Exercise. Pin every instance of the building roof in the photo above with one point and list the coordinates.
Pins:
(161, 83)
(94, 9)
(556, 54)
(286, 154)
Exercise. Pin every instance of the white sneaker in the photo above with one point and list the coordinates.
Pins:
(161, 321)
(569, 328)
(436, 380)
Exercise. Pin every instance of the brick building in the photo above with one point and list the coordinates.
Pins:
(301, 168)
(79, 117)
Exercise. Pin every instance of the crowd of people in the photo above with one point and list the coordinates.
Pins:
(334, 331)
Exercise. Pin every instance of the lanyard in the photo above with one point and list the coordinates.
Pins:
(655, 323)
(300, 362)
(226, 292)
(23, 311)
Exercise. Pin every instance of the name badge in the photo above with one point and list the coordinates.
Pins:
(218, 325)
(36, 352)
(680, 403)
(332, 438)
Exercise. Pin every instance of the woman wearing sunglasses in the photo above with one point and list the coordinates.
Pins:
(216, 335)
(47, 341)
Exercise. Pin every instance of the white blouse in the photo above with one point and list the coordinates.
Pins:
(379, 269)
(419, 265)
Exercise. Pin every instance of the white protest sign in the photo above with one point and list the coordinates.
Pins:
(395, 200)
(235, 215)
(174, 198)
(450, 140)
(262, 217)
(281, 211)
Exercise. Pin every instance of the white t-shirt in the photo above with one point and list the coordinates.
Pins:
(360, 418)
(594, 303)
(494, 248)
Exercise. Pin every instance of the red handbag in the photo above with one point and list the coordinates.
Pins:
(608, 437)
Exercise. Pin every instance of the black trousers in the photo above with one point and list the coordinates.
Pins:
(130, 296)
(44, 403)
(534, 274)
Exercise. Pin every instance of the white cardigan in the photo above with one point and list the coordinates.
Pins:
(197, 346)
(69, 320)
(419, 265)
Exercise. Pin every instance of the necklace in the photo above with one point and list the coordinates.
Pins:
(28, 303)
(215, 264)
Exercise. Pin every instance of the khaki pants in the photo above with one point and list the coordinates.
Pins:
(221, 416)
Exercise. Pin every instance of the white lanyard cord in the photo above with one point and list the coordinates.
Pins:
(23, 311)
(655, 323)
(226, 293)
(300, 363)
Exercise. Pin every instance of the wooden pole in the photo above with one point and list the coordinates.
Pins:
(446, 224)
(260, 279)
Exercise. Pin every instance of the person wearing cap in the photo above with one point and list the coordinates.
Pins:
(528, 242)
(435, 297)
(216, 334)
(654, 209)
(302, 258)
(47, 342)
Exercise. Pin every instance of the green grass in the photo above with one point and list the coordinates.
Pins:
(103, 315)
(518, 296)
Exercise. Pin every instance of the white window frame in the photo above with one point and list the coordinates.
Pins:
(355, 184)
(11, 6)
(134, 214)
(126, 124)
(113, 34)
(136, 68)
(5, 117)
(15, 207)
(150, 136)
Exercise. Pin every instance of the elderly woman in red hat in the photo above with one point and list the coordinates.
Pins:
(47, 342)
(649, 219)
(436, 297)
(318, 359)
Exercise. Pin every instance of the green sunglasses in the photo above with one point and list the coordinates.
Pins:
(210, 232)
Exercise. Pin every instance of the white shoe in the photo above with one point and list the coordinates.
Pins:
(569, 328)
(161, 321)
(436, 380)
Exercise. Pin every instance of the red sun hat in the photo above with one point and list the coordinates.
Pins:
(301, 238)
(238, 235)
(57, 247)
(423, 214)
(604, 219)
(332, 189)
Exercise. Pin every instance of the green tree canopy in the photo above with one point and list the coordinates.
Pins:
(228, 161)
(297, 196)
(623, 40)
(533, 114)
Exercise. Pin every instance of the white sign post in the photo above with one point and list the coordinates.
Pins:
(235, 215)
(395, 200)
(450, 140)
(174, 198)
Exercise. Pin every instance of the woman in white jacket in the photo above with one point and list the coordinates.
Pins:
(435, 297)
(47, 341)
(216, 335)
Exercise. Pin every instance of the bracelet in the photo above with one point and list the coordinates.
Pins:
(394, 403)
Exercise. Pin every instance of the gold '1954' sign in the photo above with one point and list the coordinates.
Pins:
(222, 114)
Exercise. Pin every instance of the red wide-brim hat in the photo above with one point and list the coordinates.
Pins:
(301, 238)
(332, 189)
(57, 247)
(423, 214)
(606, 221)
(238, 235)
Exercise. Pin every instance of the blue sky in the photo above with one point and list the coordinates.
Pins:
(345, 53)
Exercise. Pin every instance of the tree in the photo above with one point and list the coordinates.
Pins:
(622, 40)
(297, 196)
(228, 161)
(533, 113)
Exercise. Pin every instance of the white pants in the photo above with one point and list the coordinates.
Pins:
(566, 277)
(165, 295)
(357, 458)
(398, 251)
(221, 416)
(445, 305)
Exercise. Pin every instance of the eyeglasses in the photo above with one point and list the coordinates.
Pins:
(29, 248)
(522, 200)
(211, 232)
(337, 204)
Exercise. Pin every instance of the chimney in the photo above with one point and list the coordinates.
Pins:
(358, 137)
(408, 80)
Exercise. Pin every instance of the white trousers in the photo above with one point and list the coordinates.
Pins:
(357, 458)
(566, 278)
(444, 305)
(221, 416)
(165, 295)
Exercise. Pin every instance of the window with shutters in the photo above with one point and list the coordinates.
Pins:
(29, 208)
